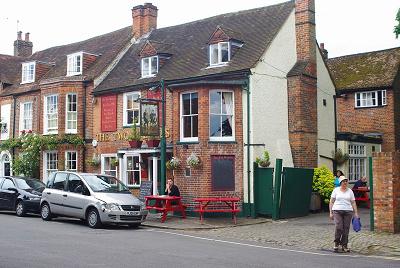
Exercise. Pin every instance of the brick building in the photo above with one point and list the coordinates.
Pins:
(367, 86)
(236, 84)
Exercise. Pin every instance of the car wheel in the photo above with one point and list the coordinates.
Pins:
(93, 218)
(134, 225)
(20, 209)
(45, 212)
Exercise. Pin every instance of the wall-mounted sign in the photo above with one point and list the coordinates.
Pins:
(109, 113)
(119, 136)
(149, 119)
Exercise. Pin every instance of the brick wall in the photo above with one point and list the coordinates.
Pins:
(386, 174)
(372, 120)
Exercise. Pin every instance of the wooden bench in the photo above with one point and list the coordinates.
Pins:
(225, 204)
(164, 204)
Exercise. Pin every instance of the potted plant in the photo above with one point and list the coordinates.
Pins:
(173, 163)
(114, 162)
(193, 161)
(264, 160)
(153, 141)
(94, 161)
(134, 138)
(339, 157)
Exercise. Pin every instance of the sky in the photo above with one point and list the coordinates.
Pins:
(345, 26)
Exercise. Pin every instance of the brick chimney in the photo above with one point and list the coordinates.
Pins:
(324, 51)
(144, 19)
(22, 48)
(302, 89)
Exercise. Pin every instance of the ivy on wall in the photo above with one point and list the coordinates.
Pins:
(30, 145)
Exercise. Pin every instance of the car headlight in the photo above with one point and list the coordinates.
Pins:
(111, 206)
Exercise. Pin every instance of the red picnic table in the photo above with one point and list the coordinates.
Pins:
(361, 195)
(219, 204)
(165, 203)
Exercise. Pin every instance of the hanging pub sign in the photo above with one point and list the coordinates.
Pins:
(149, 125)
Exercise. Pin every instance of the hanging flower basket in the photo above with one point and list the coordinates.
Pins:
(173, 163)
(193, 161)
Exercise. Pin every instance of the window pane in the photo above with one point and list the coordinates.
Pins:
(186, 104)
(215, 102)
(215, 126)
(154, 61)
(194, 103)
(226, 126)
(227, 103)
(224, 52)
(214, 54)
(145, 67)
(187, 127)
(195, 124)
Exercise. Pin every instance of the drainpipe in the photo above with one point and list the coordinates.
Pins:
(13, 130)
(247, 88)
(84, 126)
(335, 119)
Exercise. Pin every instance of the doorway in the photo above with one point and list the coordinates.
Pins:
(154, 169)
(5, 164)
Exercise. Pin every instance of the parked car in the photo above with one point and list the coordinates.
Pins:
(97, 199)
(20, 194)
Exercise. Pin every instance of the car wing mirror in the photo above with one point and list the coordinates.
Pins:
(12, 189)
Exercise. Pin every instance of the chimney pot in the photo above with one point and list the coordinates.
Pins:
(144, 19)
(19, 35)
(27, 37)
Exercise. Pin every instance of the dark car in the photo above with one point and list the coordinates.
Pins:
(20, 194)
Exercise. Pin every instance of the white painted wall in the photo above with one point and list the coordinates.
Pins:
(269, 102)
(326, 114)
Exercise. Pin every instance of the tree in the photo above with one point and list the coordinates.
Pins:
(397, 27)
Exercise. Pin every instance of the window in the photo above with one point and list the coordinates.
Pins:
(50, 164)
(75, 184)
(60, 180)
(71, 161)
(109, 165)
(28, 72)
(219, 53)
(131, 109)
(51, 114)
(5, 112)
(223, 173)
(7, 184)
(74, 64)
(221, 116)
(149, 66)
(357, 161)
(189, 117)
(132, 171)
(71, 124)
(370, 99)
(25, 116)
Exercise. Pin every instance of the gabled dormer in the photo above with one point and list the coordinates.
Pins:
(28, 72)
(223, 45)
(153, 56)
(78, 62)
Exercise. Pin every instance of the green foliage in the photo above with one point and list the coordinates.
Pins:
(30, 145)
(134, 135)
(339, 157)
(264, 160)
(95, 161)
(323, 183)
(396, 30)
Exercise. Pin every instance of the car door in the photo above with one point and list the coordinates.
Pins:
(8, 197)
(2, 202)
(75, 201)
(55, 191)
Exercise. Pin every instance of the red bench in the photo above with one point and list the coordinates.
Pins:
(220, 204)
(165, 203)
(361, 195)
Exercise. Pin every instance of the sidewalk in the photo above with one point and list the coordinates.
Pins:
(313, 232)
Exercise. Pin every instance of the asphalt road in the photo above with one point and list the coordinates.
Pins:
(30, 242)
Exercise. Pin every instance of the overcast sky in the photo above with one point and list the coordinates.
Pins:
(345, 26)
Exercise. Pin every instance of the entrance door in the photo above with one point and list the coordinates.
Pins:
(5, 165)
(152, 174)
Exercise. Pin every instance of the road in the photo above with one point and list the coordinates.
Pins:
(31, 242)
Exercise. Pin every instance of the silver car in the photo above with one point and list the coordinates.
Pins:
(98, 199)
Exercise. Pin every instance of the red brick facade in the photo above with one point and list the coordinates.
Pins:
(386, 172)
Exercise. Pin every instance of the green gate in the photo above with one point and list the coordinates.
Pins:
(263, 194)
(295, 192)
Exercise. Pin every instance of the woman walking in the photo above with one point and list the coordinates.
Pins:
(341, 207)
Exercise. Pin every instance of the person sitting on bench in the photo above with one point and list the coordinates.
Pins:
(359, 183)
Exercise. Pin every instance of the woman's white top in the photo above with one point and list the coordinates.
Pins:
(342, 199)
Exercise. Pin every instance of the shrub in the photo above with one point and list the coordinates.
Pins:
(323, 183)
(264, 160)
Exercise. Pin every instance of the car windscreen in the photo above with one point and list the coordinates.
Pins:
(99, 183)
(26, 184)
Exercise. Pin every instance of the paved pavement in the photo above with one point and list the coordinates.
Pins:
(314, 232)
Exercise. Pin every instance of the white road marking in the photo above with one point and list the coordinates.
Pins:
(273, 248)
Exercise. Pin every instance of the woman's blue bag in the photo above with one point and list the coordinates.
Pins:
(356, 224)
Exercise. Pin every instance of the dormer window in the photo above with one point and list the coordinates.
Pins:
(219, 53)
(28, 72)
(74, 64)
(149, 66)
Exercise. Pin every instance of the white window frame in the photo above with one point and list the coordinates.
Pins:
(357, 161)
(28, 72)
(125, 108)
(71, 130)
(46, 173)
(148, 73)
(5, 112)
(73, 68)
(230, 138)
(103, 161)
(366, 100)
(22, 118)
(127, 169)
(46, 130)
(182, 138)
(67, 159)
(219, 62)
